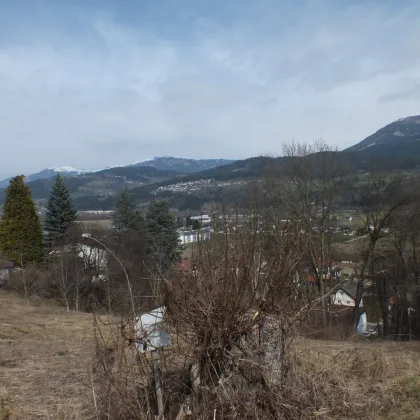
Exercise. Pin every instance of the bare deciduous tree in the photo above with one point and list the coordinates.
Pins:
(309, 191)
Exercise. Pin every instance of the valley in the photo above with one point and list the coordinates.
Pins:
(190, 184)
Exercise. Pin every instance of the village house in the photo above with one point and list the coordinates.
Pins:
(93, 256)
(186, 236)
(343, 297)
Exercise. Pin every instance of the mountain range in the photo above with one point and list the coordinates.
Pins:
(164, 163)
(189, 183)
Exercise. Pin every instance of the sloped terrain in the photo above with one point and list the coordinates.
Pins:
(46, 353)
(400, 138)
(44, 361)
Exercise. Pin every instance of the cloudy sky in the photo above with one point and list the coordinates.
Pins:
(92, 83)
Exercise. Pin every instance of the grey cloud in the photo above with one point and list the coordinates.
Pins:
(411, 93)
(230, 90)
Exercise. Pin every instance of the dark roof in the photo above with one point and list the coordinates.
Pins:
(4, 264)
(350, 289)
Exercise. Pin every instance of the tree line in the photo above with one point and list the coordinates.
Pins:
(56, 258)
(304, 193)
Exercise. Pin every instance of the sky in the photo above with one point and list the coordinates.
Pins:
(95, 83)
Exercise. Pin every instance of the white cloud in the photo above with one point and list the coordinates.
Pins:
(230, 86)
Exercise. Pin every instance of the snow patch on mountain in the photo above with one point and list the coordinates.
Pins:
(69, 169)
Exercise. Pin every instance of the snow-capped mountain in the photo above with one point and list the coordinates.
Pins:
(69, 169)
(49, 173)
(164, 163)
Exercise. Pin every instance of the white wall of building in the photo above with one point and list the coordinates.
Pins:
(190, 236)
(342, 298)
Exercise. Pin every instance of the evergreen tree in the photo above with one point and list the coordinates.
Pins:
(125, 217)
(61, 214)
(196, 225)
(163, 235)
(20, 227)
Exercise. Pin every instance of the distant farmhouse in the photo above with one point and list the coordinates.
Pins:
(187, 236)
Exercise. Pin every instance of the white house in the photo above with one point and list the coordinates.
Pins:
(149, 331)
(343, 297)
(92, 256)
(190, 236)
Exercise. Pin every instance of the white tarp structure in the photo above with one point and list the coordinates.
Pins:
(149, 332)
(362, 324)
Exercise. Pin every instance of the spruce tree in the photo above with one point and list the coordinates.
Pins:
(20, 227)
(125, 217)
(162, 233)
(61, 214)
(196, 225)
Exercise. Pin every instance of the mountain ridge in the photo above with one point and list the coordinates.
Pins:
(400, 137)
(164, 163)
(188, 183)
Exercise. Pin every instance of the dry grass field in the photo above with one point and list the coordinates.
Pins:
(45, 363)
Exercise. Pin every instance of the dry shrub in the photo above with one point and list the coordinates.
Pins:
(323, 379)
(120, 375)
(233, 324)
(30, 281)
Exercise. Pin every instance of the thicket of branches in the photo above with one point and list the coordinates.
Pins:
(234, 322)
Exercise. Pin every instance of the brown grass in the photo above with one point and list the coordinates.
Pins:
(44, 360)
(45, 365)
(361, 379)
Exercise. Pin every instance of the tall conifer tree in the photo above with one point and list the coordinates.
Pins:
(163, 235)
(61, 214)
(20, 227)
(125, 217)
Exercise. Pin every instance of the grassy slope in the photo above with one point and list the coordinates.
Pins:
(44, 355)
(45, 360)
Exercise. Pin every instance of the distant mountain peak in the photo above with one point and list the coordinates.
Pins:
(401, 137)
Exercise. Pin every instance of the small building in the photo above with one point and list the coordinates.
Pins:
(345, 296)
(190, 236)
(5, 271)
(93, 256)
